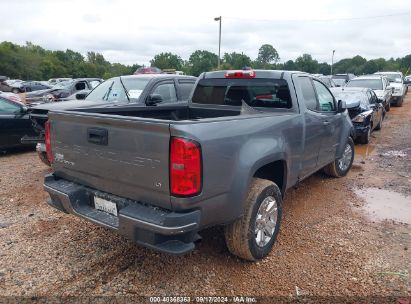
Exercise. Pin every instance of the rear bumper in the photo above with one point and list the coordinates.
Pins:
(152, 227)
(396, 99)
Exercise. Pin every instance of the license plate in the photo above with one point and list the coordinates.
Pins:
(105, 205)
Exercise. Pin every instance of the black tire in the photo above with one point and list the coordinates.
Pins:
(399, 102)
(333, 169)
(240, 236)
(43, 158)
(388, 106)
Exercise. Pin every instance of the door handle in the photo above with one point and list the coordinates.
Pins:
(97, 136)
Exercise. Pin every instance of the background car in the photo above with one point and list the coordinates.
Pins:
(54, 81)
(148, 70)
(10, 82)
(328, 81)
(62, 90)
(365, 110)
(10, 96)
(14, 123)
(407, 80)
(5, 84)
(28, 86)
(397, 83)
(339, 78)
(378, 83)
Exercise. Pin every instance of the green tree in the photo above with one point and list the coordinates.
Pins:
(290, 66)
(307, 64)
(237, 60)
(369, 67)
(201, 61)
(267, 54)
(167, 61)
(324, 68)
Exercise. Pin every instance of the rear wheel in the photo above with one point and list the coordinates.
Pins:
(342, 165)
(251, 237)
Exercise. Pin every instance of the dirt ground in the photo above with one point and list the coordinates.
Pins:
(340, 237)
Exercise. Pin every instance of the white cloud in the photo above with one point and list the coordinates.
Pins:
(134, 31)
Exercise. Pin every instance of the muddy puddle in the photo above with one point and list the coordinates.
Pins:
(363, 151)
(383, 204)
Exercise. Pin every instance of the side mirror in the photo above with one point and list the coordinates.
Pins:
(22, 111)
(341, 106)
(154, 99)
(81, 96)
(351, 105)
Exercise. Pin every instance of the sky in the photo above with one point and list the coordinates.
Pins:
(129, 32)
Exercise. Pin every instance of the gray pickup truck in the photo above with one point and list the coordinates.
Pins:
(161, 175)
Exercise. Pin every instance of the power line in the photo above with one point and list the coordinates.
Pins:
(324, 20)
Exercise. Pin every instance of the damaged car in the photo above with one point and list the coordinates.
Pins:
(365, 110)
(62, 90)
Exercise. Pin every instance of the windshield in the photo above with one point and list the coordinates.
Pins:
(374, 84)
(112, 90)
(353, 97)
(268, 93)
(392, 77)
(63, 84)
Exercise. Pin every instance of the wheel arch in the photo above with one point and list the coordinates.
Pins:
(275, 171)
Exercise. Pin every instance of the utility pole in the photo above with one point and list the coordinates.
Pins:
(219, 39)
(332, 62)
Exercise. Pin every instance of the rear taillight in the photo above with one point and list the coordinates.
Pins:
(240, 74)
(47, 139)
(185, 167)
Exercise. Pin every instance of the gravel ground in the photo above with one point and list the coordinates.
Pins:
(329, 244)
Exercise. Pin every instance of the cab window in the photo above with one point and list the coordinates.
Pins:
(308, 93)
(167, 92)
(325, 98)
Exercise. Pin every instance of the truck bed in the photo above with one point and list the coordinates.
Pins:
(172, 112)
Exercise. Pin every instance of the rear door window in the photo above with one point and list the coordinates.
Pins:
(258, 93)
(308, 92)
(185, 87)
(167, 92)
(325, 98)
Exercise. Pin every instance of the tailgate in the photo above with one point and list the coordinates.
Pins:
(124, 156)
